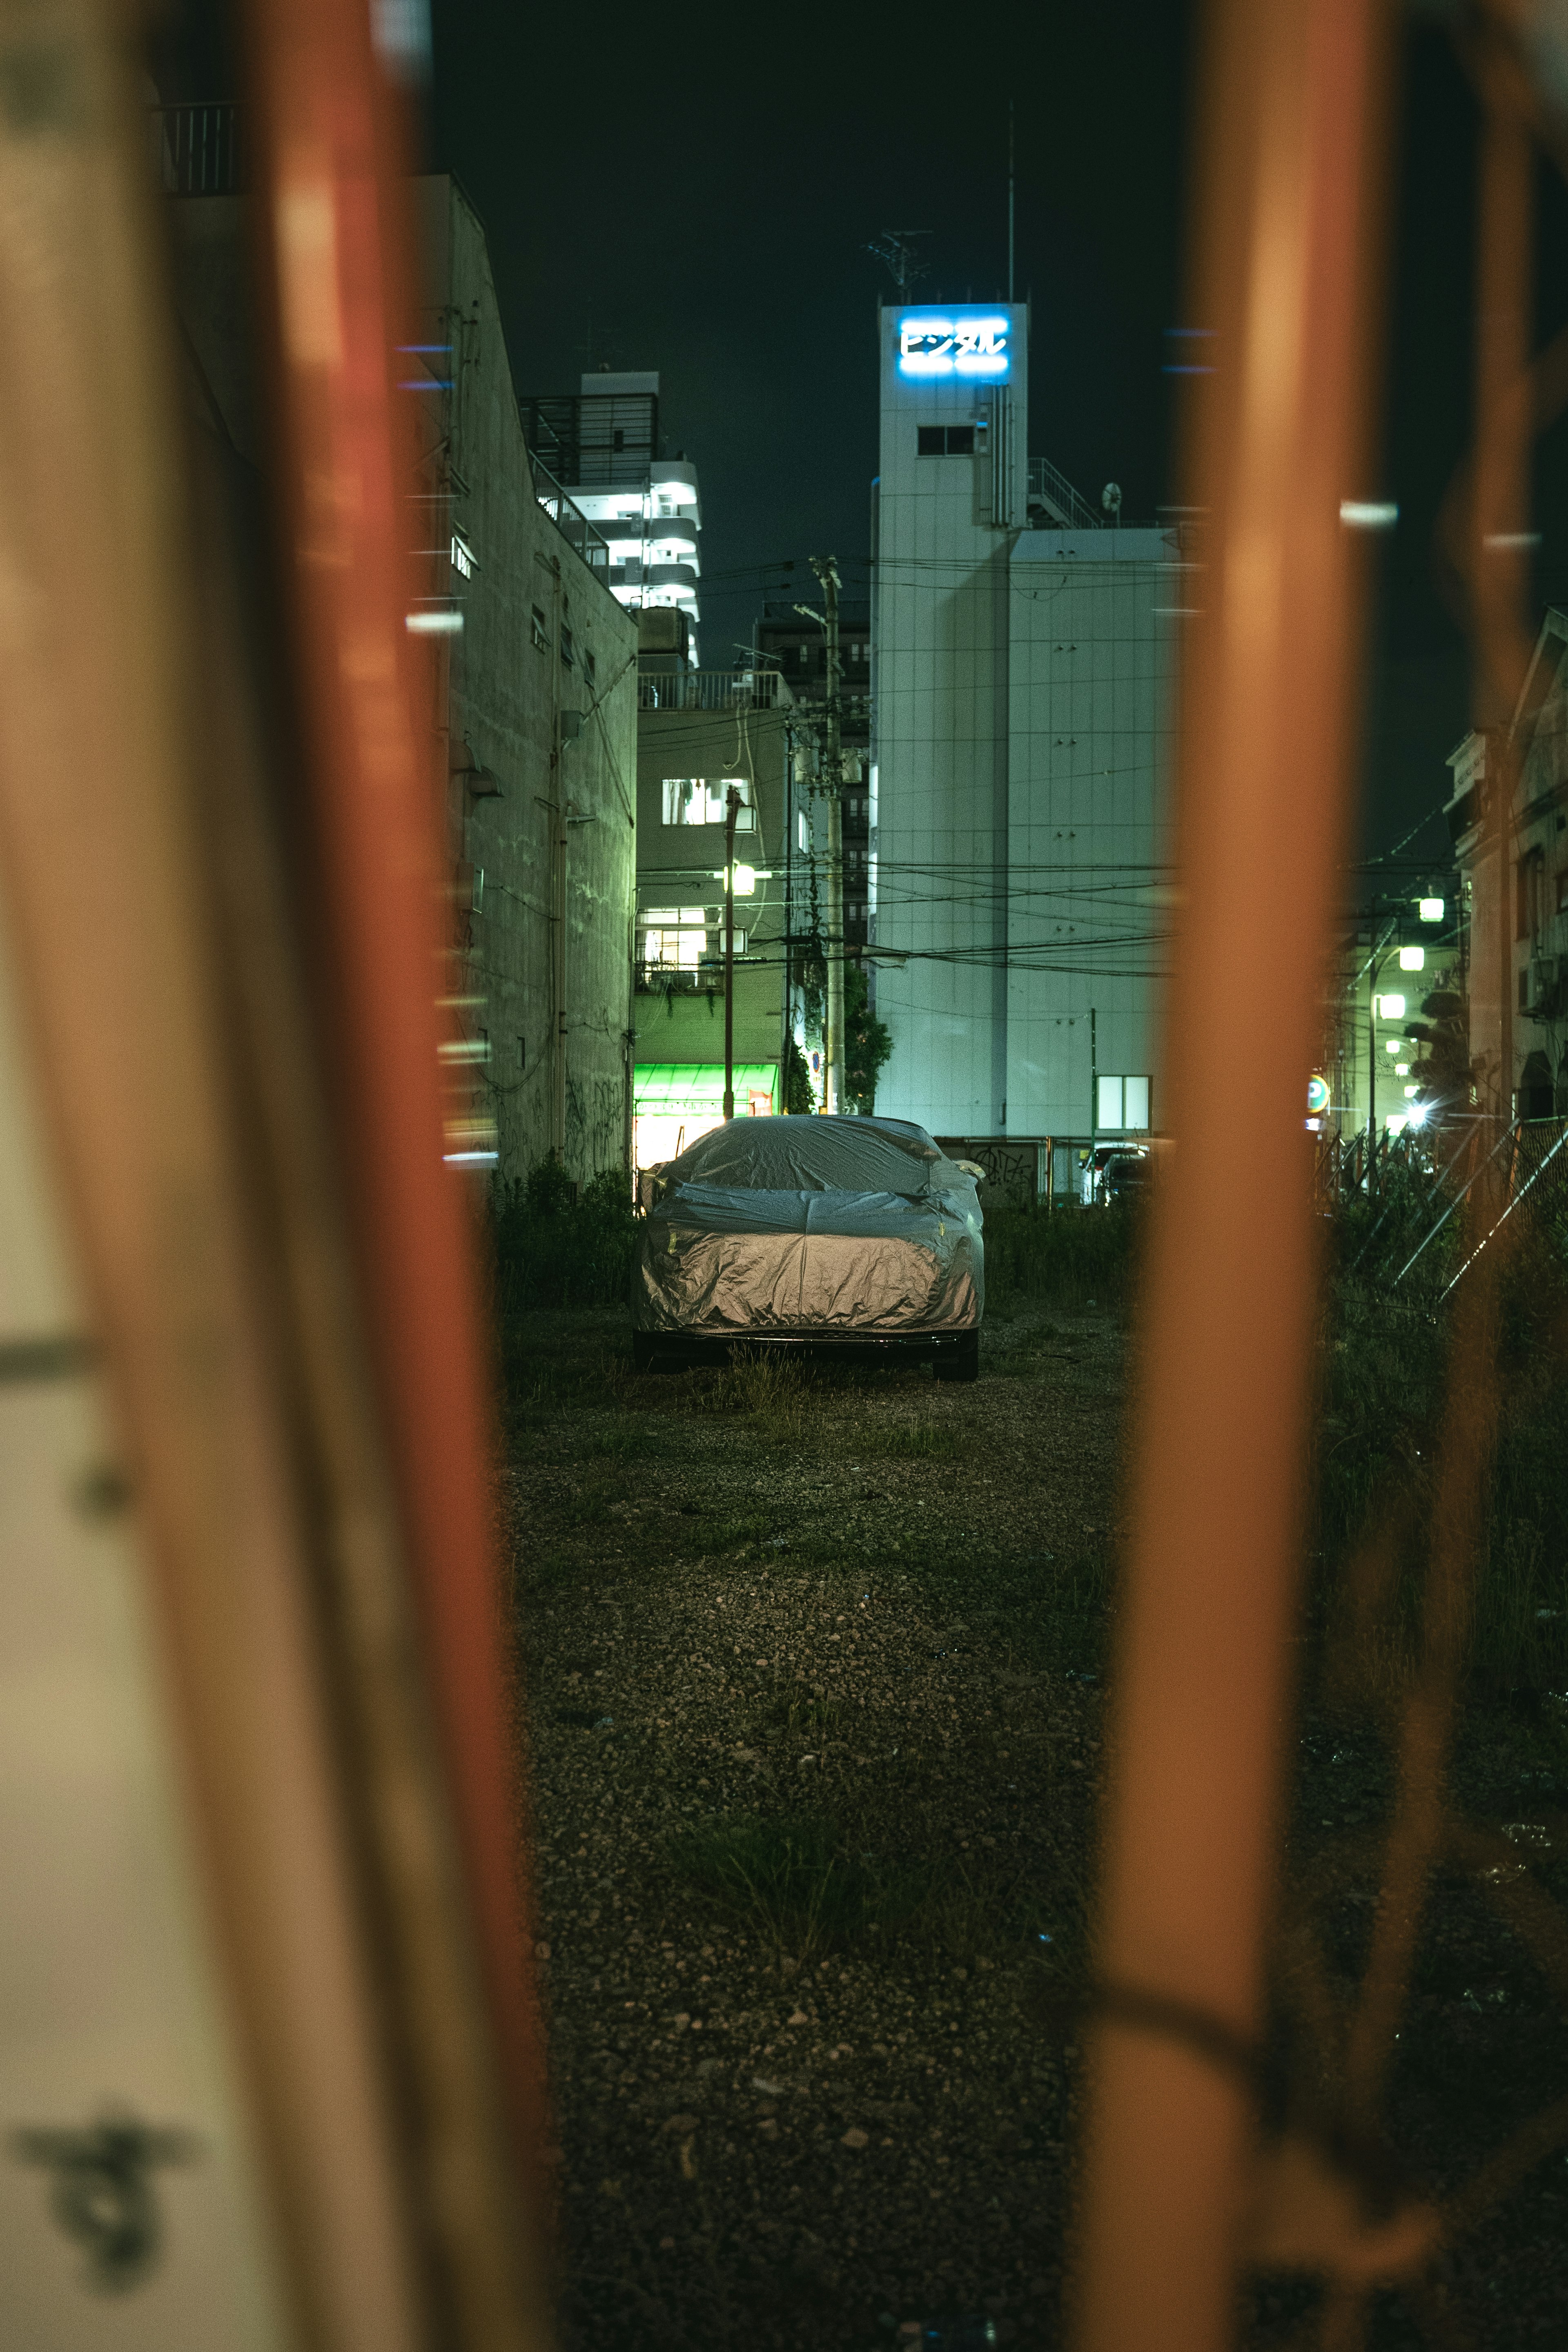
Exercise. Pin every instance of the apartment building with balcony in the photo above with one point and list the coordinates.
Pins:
(603, 447)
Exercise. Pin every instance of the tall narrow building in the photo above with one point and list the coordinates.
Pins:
(1021, 653)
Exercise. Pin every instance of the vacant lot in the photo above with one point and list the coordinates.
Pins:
(813, 1680)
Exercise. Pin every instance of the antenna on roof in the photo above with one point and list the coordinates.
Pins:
(896, 247)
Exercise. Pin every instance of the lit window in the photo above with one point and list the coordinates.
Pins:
(700, 800)
(1121, 1103)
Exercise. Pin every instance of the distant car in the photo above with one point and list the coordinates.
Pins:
(1113, 1172)
(854, 1237)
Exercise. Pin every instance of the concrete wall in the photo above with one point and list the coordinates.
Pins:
(506, 696)
(1087, 908)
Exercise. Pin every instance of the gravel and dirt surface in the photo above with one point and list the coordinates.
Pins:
(813, 1678)
(812, 1675)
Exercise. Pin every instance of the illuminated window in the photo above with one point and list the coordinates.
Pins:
(700, 800)
(673, 938)
(1121, 1103)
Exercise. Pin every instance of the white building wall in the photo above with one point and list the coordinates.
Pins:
(1092, 615)
(1022, 682)
(940, 642)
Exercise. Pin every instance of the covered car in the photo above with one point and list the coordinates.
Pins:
(852, 1235)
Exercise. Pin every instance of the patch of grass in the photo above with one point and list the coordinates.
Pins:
(793, 1878)
(1071, 1256)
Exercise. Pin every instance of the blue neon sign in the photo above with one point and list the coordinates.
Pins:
(931, 344)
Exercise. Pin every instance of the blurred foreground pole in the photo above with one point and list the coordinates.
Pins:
(337, 220)
(1289, 232)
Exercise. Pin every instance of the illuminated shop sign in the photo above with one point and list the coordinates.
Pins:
(931, 344)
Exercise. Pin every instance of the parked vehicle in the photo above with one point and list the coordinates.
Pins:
(853, 1237)
(1115, 1171)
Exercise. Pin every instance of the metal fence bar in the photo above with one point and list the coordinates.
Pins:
(1505, 1138)
(1289, 214)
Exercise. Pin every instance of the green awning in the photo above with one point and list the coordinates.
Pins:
(664, 1089)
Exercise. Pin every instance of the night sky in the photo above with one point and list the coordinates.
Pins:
(692, 191)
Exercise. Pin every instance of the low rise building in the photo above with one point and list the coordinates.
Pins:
(702, 733)
(1515, 901)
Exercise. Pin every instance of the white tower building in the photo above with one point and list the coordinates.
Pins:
(1020, 659)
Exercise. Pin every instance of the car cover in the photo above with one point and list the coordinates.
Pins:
(833, 1228)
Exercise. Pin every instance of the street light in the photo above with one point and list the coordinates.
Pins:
(1412, 958)
(1431, 910)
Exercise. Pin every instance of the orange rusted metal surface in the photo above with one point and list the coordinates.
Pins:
(338, 240)
(1289, 229)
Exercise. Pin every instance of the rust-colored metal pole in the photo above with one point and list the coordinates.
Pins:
(337, 226)
(1288, 224)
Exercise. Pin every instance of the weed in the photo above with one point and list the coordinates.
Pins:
(556, 1243)
(793, 1878)
(1074, 1257)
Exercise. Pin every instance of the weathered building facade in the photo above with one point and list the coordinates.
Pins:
(535, 707)
(539, 743)
(700, 732)
(1516, 906)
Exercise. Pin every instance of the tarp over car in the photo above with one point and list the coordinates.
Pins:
(830, 1228)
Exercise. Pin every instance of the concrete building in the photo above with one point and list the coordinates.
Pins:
(603, 450)
(535, 694)
(1517, 914)
(1021, 669)
(540, 732)
(699, 731)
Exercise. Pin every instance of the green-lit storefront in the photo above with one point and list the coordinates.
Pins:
(675, 1102)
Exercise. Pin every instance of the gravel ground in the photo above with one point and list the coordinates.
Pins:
(819, 1632)
(813, 1682)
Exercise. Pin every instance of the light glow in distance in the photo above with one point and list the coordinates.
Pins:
(1391, 1045)
(1431, 910)
(1412, 958)
(1392, 1008)
(1368, 514)
(1417, 1114)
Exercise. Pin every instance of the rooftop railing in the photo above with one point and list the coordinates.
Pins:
(197, 149)
(713, 689)
(569, 519)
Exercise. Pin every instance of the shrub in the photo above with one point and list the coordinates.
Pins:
(556, 1243)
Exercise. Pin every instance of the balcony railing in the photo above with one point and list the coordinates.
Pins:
(569, 519)
(713, 689)
(197, 149)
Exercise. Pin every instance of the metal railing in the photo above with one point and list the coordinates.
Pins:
(197, 149)
(713, 689)
(569, 519)
(1051, 489)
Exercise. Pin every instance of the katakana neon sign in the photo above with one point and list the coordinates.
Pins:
(931, 344)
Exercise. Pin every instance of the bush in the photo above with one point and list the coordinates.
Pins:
(557, 1244)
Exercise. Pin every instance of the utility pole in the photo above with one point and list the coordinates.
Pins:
(731, 811)
(827, 571)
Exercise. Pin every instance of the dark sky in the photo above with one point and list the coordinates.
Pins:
(692, 191)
